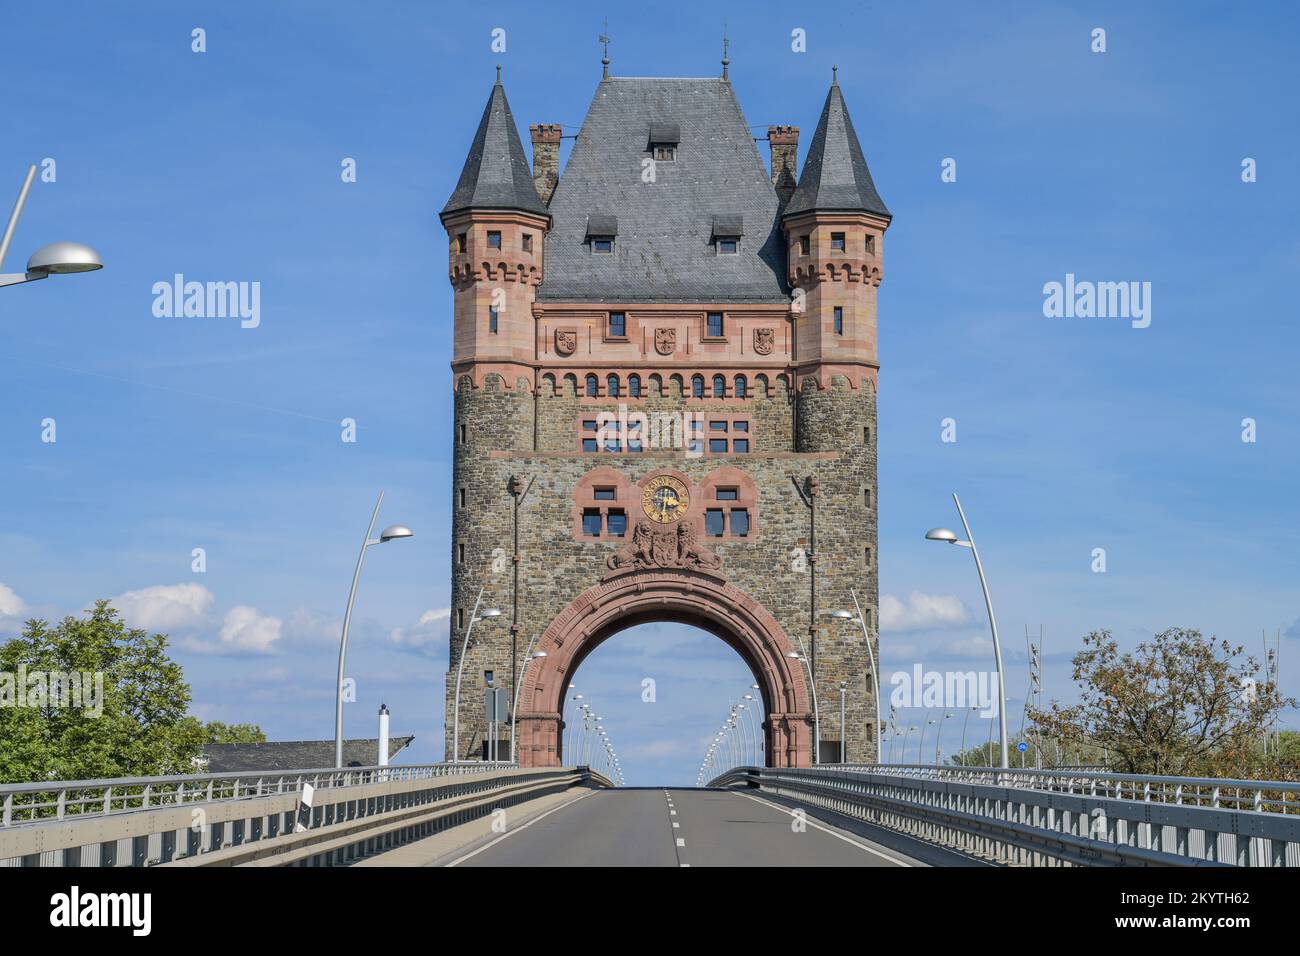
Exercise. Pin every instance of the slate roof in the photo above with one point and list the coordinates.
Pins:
(279, 755)
(496, 173)
(664, 251)
(835, 175)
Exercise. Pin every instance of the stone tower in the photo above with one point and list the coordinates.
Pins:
(664, 374)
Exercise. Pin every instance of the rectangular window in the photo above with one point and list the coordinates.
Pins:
(589, 444)
(726, 494)
(866, 435)
(602, 244)
(837, 241)
(805, 245)
(728, 247)
(462, 497)
(713, 522)
(617, 523)
(460, 241)
(665, 154)
(488, 677)
(460, 617)
(740, 426)
(866, 498)
(494, 240)
(460, 553)
(613, 444)
(528, 242)
(617, 324)
(740, 522)
(591, 522)
(462, 434)
(866, 556)
(713, 327)
(492, 319)
(839, 320)
(718, 446)
(604, 494)
(717, 426)
(871, 244)
(740, 446)
(588, 426)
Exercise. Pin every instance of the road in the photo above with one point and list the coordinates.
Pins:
(656, 827)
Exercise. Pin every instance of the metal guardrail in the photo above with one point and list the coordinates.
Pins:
(1258, 795)
(349, 814)
(1047, 818)
(24, 803)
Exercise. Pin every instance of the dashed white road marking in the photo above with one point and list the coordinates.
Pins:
(676, 824)
(681, 842)
(839, 836)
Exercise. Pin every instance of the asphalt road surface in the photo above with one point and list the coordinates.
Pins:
(636, 827)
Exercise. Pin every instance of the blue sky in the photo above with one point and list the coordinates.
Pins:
(1072, 434)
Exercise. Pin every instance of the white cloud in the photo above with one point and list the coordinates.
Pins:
(922, 611)
(429, 631)
(164, 607)
(313, 627)
(248, 629)
(11, 605)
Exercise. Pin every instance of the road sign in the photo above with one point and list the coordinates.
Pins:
(1022, 746)
(495, 704)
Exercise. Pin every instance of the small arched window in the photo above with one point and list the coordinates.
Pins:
(634, 386)
(593, 386)
(612, 386)
(742, 386)
(719, 387)
(697, 386)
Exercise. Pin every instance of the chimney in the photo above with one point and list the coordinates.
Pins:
(383, 736)
(546, 158)
(784, 141)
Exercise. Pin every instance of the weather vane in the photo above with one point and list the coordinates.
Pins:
(604, 39)
(726, 61)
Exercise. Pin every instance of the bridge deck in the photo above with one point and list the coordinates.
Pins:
(635, 827)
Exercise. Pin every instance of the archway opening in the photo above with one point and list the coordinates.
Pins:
(663, 703)
(697, 598)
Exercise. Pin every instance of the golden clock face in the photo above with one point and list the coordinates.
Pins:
(665, 499)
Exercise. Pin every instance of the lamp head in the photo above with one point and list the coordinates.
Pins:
(842, 615)
(62, 258)
(941, 534)
(395, 531)
(490, 612)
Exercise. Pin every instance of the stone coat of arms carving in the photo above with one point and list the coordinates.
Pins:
(764, 340)
(665, 341)
(566, 341)
(673, 547)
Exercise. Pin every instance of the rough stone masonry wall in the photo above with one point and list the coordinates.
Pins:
(555, 568)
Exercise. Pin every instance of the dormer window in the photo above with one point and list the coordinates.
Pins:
(664, 138)
(601, 231)
(727, 230)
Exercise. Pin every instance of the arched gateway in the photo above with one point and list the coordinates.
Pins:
(665, 406)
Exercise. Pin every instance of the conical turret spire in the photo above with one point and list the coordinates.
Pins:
(496, 173)
(835, 174)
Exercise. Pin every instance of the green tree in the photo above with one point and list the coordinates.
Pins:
(142, 727)
(1179, 704)
(215, 732)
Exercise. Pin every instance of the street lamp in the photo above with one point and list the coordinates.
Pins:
(871, 655)
(938, 741)
(391, 533)
(943, 534)
(514, 710)
(817, 720)
(58, 258)
(474, 618)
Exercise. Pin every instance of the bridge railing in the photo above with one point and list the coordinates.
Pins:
(348, 814)
(1023, 817)
(22, 803)
(1218, 793)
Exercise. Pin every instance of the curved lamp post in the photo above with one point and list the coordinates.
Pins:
(391, 533)
(474, 618)
(58, 258)
(817, 720)
(513, 710)
(943, 534)
(871, 654)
